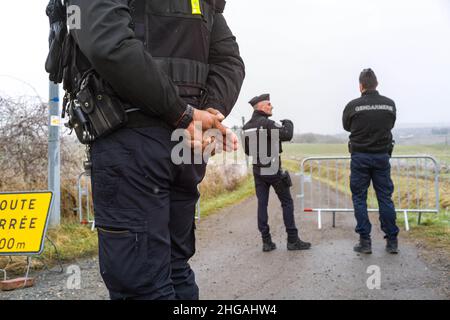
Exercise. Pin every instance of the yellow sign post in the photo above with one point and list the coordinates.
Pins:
(23, 222)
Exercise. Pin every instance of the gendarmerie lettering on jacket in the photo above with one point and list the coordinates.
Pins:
(370, 119)
(375, 108)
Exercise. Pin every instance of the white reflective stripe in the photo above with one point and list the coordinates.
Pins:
(250, 130)
(132, 110)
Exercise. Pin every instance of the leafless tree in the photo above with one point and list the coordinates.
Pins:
(24, 141)
(23, 132)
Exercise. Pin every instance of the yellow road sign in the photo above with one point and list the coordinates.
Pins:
(23, 222)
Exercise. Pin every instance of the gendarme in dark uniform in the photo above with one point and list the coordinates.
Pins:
(370, 120)
(263, 138)
(169, 60)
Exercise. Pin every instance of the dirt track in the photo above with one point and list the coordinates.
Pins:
(230, 264)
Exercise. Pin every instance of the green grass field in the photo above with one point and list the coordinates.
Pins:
(299, 151)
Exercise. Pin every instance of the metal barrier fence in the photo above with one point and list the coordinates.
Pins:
(85, 201)
(416, 181)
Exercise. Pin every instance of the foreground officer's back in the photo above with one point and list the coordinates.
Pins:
(263, 138)
(169, 61)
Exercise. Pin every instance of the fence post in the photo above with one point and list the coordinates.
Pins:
(54, 157)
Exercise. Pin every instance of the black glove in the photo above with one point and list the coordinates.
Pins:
(54, 65)
(286, 121)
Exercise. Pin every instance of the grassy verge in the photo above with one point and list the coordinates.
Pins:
(433, 232)
(213, 204)
(72, 241)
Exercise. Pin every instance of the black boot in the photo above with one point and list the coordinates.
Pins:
(298, 244)
(268, 245)
(392, 246)
(364, 246)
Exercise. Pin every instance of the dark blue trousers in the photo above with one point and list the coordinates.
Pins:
(366, 167)
(263, 184)
(144, 211)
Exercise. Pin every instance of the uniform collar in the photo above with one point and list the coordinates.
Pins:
(260, 113)
(369, 92)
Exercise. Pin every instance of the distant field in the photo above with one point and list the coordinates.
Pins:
(293, 153)
(298, 151)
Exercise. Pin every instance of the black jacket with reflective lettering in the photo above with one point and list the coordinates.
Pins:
(370, 120)
(159, 55)
(260, 121)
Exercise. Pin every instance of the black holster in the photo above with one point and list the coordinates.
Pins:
(284, 183)
(391, 148)
(286, 178)
(96, 110)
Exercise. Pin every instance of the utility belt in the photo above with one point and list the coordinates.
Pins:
(389, 149)
(97, 111)
(283, 183)
(259, 168)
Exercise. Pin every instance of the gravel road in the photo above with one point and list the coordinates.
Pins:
(230, 264)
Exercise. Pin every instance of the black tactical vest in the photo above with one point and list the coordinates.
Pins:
(177, 33)
(256, 129)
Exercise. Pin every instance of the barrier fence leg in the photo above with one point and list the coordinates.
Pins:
(419, 220)
(334, 219)
(198, 211)
(406, 220)
(4, 274)
(29, 262)
(319, 219)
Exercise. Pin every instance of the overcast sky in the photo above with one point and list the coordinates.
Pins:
(306, 53)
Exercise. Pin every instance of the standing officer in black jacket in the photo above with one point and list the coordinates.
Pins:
(370, 120)
(263, 138)
(169, 60)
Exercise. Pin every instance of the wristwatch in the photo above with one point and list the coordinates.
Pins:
(186, 118)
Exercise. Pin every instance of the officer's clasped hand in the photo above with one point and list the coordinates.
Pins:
(202, 139)
(229, 140)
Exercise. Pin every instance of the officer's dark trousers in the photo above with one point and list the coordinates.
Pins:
(144, 210)
(263, 184)
(367, 167)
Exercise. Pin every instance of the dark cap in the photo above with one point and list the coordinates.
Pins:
(258, 99)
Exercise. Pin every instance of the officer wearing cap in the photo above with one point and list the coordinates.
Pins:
(263, 138)
(370, 120)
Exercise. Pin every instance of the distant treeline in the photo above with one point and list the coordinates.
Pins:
(318, 138)
(440, 131)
